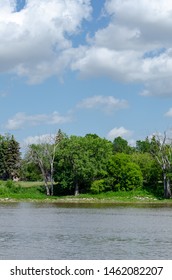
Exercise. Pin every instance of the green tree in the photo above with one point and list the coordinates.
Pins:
(13, 158)
(81, 160)
(123, 174)
(30, 171)
(9, 157)
(72, 168)
(143, 146)
(60, 136)
(3, 148)
(150, 170)
(121, 145)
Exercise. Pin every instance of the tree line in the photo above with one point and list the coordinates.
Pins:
(90, 164)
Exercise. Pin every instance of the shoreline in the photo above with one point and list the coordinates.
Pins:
(90, 201)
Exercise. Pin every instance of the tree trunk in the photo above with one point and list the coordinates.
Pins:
(75, 180)
(51, 177)
(76, 188)
(46, 185)
(167, 189)
(47, 188)
(52, 186)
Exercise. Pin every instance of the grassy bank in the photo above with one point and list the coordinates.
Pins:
(22, 190)
(10, 190)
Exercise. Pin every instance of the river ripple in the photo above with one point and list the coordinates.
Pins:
(69, 231)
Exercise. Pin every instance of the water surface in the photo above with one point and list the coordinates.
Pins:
(71, 231)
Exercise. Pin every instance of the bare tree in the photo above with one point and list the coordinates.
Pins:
(161, 148)
(43, 154)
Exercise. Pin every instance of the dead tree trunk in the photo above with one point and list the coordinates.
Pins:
(162, 151)
(167, 189)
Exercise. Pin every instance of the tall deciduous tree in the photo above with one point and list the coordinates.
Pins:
(143, 146)
(43, 154)
(161, 149)
(121, 145)
(81, 160)
(124, 174)
(151, 171)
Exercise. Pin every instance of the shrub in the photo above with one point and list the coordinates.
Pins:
(97, 186)
(3, 190)
(124, 174)
(12, 186)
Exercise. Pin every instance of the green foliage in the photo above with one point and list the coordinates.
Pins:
(150, 169)
(121, 146)
(35, 191)
(9, 157)
(97, 186)
(138, 195)
(125, 174)
(30, 171)
(12, 186)
(143, 146)
(88, 164)
(4, 190)
(81, 160)
(11, 189)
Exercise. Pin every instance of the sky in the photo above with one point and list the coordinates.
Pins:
(85, 66)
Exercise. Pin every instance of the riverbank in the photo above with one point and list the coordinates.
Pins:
(132, 200)
(34, 191)
(89, 203)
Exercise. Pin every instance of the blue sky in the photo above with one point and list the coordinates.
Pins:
(85, 66)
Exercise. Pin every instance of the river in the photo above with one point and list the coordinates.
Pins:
(47, 231)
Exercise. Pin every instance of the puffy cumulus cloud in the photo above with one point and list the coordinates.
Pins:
(105, 103)
(134, 47)
(20, 120)
(35, 41)
(101, 61)
(119, 131)
(141, 10)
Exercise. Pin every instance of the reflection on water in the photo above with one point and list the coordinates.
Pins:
(64, 231)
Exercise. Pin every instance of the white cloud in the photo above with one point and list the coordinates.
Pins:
(34, 40)
(134, 47)
(20, 120)
(119, 131)
(141, 10)
(106, 103)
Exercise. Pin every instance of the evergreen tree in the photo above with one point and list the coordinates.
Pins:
(9, 157)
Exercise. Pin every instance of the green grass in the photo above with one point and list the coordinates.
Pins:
(36, 191)
(22, 190)
(137, 195)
